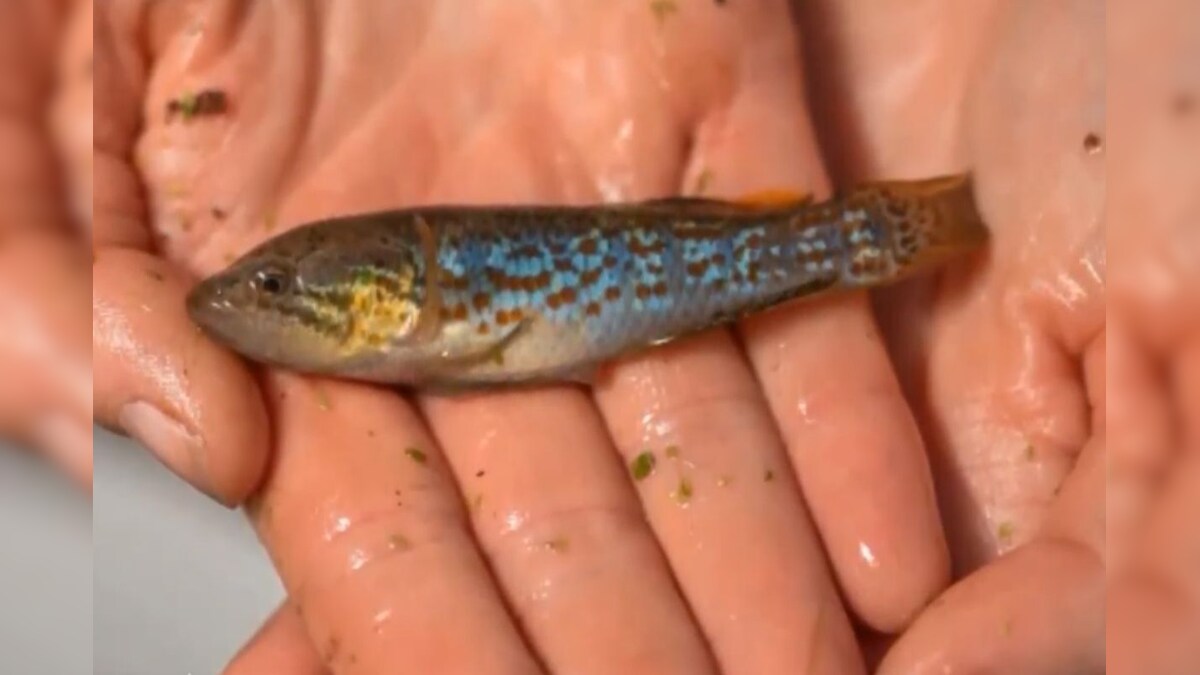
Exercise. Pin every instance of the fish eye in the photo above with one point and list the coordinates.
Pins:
(272, 281)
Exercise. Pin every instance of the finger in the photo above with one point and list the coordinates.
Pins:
(72, 111)
(565, 535)
(1142, 438)
(825, 370)
(722, 481)
(1154, 611)
(68, 443)
(368, 533)
(118, 209)
(29, 188)
(721, 484)
(45, 355)
(1036, 610)
(857, 454)
(280, 647)
(195, 406)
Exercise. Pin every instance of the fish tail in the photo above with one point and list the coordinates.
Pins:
(937, 219)
(951, 201)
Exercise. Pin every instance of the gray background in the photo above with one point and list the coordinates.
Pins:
(167, 582)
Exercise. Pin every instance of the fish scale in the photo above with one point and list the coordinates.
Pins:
(663, 279)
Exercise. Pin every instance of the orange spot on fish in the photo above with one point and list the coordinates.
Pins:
(593, 309)
(774, 198)
(481, 301)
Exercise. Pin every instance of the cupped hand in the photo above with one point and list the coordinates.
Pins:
(504, 533)
(45, 357)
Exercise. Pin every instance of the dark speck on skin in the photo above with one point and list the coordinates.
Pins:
(1092, 143)
(1184, 103)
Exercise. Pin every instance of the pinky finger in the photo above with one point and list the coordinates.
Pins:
(280, 647)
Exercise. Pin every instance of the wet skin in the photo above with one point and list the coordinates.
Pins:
(1010, 354)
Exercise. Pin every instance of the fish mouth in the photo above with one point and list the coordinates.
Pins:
(211, 308)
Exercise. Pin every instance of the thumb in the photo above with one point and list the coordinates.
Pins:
(45, 369)
(157, 379)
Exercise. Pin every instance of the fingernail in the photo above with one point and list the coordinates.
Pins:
(177, 448)
(68, 444)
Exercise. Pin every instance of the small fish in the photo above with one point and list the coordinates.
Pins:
(470, 296)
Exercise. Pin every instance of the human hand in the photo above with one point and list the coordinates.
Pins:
(502, 533)
(195, 406)
(45, 357)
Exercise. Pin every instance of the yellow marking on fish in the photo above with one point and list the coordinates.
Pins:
(376, 315)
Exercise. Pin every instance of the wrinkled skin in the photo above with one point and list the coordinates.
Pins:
(1003, 360)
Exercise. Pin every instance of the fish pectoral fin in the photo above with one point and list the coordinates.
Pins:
(775, 198)
(478, 348)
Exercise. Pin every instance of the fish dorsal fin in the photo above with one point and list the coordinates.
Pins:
(775, 198)
(759, 200)
(686, 202)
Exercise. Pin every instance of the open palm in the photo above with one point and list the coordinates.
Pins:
(505, 533)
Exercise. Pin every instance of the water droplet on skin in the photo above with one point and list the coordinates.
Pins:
(514, 520)
(865, 552)
(358, 559)
(339, 525)
(381, 617)
(802, 409)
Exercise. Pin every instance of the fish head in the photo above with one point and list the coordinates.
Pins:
(323, 298)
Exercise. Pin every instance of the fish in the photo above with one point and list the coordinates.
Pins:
(473, 296)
